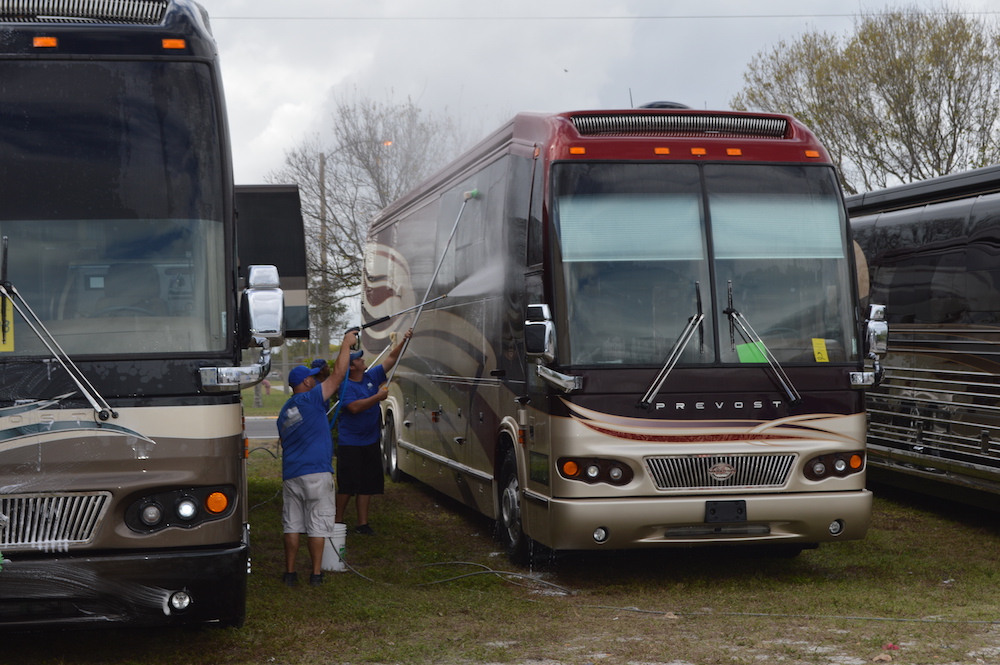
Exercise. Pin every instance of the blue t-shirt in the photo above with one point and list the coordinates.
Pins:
(361, 429)
(305, 435)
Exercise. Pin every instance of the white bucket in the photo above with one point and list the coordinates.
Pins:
(335, 550)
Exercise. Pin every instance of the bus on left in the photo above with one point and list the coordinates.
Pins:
(124, 320)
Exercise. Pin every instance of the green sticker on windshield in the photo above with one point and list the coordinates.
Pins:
(751, 353)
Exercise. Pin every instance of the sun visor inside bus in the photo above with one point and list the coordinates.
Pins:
(270, 232)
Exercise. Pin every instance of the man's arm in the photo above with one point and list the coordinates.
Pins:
(390, 360)
(340, 368)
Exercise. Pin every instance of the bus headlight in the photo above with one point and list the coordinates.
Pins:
(151, 514)
(180, 601)
(593, 470)
(835, 465)
(186, 508)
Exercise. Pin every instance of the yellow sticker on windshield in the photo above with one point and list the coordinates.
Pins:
(819, 350)
(7, 334)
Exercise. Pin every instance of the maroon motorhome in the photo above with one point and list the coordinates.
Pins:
(649, 334)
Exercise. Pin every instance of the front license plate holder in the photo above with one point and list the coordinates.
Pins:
(718, 512)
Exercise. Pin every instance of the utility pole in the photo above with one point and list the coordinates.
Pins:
(323, 338)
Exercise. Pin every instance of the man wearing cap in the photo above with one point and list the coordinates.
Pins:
(359, 456)
(307, 461)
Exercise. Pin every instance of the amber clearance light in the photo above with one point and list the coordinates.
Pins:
(45, 42)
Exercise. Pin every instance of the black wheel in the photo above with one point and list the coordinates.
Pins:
(390, 459)
(509, 525)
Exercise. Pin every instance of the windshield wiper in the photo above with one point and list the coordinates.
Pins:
(739, 322)
(675, 353)
(99, 404)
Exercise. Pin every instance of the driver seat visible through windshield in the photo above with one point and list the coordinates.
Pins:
(131, 289)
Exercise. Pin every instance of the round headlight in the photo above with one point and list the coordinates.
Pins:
(819, 468)
(592, 471)
(840, 466)
(180, 601)
(187, 508)
(616, 473)
(151, 514)
(601, 534)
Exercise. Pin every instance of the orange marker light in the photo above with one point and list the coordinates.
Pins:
(734, 152)
(699, 151)
(571, 468)
(856, 461)
(45, 42)
(812, 153)
(661, 151)
(174, 44)
(216, 502)
(577, 150)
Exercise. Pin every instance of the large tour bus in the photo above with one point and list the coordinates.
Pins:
(632, 328)
(932, 256)
(125, 312)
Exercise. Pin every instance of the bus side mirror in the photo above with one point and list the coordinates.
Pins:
(540, 334)
(877, 336)
(264, 305)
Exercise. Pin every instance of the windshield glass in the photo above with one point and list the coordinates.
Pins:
(635, 253)
(111, 180)
(634, 259)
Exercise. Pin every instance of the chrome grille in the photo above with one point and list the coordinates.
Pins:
(145, 12)
(695, 472)
(679, 124)
(50, 521)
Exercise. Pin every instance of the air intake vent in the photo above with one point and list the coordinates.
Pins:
(695, 472)
(144, 12)
(680, 124)
(50, 522)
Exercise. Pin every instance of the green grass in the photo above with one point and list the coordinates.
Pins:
(271, 404)
(925, 579)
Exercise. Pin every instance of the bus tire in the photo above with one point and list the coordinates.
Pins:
(390, 452)
(509, 527)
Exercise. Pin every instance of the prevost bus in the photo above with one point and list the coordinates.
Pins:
(124, 319)
(932, 255)
(638, 329)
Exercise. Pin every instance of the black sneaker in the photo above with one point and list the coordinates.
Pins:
(364, 529)
(316, 580)
(290, 579)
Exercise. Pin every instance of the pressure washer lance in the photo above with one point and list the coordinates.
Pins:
(402, 311)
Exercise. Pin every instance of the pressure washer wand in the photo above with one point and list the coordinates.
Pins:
(402, 311)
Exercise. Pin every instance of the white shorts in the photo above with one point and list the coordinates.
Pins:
(309, 505)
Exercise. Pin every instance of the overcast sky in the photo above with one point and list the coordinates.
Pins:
(283, 63)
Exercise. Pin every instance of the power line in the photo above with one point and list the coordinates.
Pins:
(695, 17)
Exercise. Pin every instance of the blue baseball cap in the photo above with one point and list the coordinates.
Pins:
(299, 374)
(357, 354)
(319, 362)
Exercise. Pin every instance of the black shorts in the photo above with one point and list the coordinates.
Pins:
(359, 469)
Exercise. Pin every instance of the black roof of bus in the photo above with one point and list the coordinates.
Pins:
(944, 188)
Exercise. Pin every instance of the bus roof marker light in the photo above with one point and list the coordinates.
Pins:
(734, 152)
(814, 154)
(577, 150)
(699, 152)
(45, 42)
(174, 44)
(661, 151)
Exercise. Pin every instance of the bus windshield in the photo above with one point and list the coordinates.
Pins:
(645, 247)
(111, 180)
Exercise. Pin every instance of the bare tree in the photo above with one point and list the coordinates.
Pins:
(379, 151)
(912, 94)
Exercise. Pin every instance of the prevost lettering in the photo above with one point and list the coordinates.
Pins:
(718, 406)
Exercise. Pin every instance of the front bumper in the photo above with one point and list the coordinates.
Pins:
(681, 521)
(134, 589)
